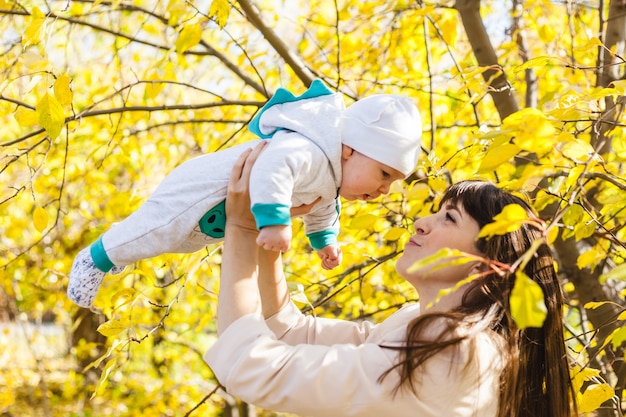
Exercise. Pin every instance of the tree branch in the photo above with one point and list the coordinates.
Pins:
(294, 62)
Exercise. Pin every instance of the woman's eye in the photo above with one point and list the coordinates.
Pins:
(450, 218)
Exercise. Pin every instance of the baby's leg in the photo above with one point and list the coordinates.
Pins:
(146, 233)
(166, 223)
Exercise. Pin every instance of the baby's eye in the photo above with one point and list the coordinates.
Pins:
(386, 174)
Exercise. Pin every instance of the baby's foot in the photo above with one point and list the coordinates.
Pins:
(86, 279)
(117, 270)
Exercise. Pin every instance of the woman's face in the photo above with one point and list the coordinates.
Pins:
(451, 227)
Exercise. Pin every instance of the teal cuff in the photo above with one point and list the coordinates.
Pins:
(282, 95)
(322, 238)
(271, 215)
(100, 257)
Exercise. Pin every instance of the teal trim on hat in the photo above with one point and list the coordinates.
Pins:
(271, 215)
(282, 95)
(322, 238)
(100, 257)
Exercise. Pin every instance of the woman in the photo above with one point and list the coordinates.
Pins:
(457, 355)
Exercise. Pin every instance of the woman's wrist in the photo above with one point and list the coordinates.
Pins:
(242, 226)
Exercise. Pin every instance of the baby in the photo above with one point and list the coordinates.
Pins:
(317, 148)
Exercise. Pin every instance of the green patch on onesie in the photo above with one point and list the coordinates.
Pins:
(213, 223)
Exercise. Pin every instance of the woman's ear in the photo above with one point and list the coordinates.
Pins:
(346, 151)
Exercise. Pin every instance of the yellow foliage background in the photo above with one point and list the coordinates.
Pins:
(99, 100)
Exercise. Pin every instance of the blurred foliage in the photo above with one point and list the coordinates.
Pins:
(99, 100)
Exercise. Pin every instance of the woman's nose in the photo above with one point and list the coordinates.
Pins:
(421, 225)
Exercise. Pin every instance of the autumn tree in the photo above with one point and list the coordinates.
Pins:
(101, 99)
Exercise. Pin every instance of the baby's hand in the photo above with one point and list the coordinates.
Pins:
(275, 238)
(330, 256)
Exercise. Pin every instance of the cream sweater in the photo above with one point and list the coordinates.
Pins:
(324, 367)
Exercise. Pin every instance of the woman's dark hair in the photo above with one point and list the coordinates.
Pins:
(535, 381)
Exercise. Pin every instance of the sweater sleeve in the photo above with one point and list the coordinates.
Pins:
(291, 326)
(315, 380)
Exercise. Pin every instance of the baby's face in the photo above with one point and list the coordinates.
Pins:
(364, 178)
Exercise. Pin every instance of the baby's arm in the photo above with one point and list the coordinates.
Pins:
(330, 256)
(275, 238)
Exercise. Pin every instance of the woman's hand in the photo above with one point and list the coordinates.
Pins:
(238, 195)
(304, 208)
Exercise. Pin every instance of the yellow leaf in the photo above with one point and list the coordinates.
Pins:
(572, 215)
(442, 258)
(619, 272)
(153, 89)
(113, 327)
(437, 184)
(40, 219)
(419, 191)
(593, 397)
(569, 287)
(592, 305)
(62, 90)
(589, 258)
(541, 61)
(104, 376)
(584, 229)
(126, 295)
(619, 336)
(601, 93)
(151, 29)
(592, 44)
(448, 25)
(509, 220)
(619, 86)
(553, 233)
(33, 32)
(219, 11)
(33, 60)
(176, 10)
(582, 375)
(363, 222)
(367, 291)
(546, 33)
(188, 38)
(395, 233)
(528, 307)
(577, 150)
(498, 156)
(574, 175)
(26, 117)
(543, 199)
(50, 115)
(534, 131)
